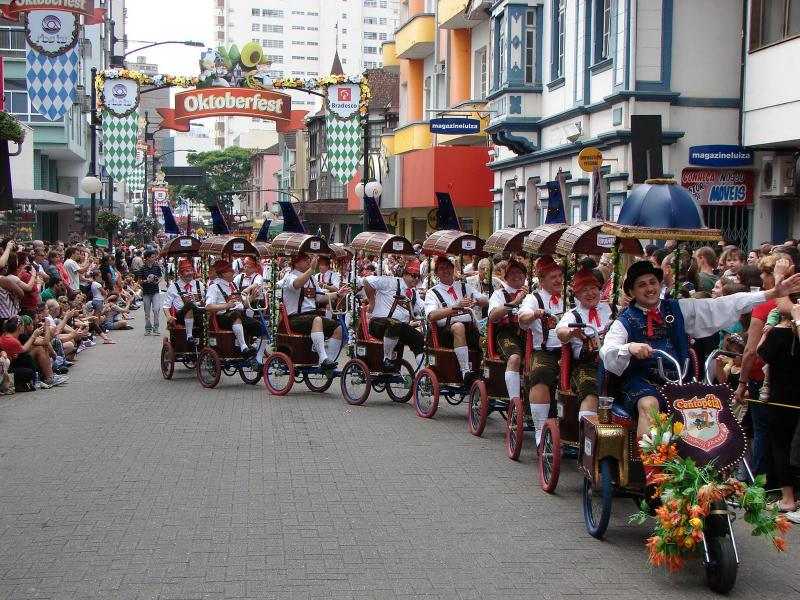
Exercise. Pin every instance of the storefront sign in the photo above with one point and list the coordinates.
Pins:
(120, 96)
(226, 102)
(720, 155)
(80, 7)
(455, 126)
(52, 32)
(590, 159)
(344, 99)
(719, 187)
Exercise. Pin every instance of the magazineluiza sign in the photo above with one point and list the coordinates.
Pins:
(449, 126)
(720, 155)
(81, 7)
(227, 102)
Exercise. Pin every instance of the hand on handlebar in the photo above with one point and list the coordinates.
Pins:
(467, 302)
(640, 351)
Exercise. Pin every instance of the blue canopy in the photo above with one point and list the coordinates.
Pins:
(661, 206)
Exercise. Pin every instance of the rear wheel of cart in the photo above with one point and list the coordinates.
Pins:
(550, 456)
(209, 368)
(401, 386)
(279, 374)
(356, 382)
(598, 498)
(477, 408)
(167, 360)
(426, 393)
(515, 428)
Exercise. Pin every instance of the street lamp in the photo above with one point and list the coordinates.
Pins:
(92, 185)
(183, 43)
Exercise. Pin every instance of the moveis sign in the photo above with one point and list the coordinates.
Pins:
(227, 102)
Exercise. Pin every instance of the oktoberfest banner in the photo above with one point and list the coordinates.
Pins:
(51, 82)
(79, 7)
(345, 146)
(119, 142)
(52, 32)
(135, 179)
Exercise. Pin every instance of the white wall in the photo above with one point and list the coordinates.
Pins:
(22, 165)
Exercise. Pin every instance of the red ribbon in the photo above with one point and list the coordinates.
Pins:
(653, 316)
(594, 316)
(555, 299)
(409, 293)
(452, 291)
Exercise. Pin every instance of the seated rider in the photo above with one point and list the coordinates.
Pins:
(395, 305)
(650, 323)
(250, 279)
(225, 300)
(300, 300)
(183, 297)
(329, 281)
(584, 342)
(449, 305)
(540, 312)
(508, 339)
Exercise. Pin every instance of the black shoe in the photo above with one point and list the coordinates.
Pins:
(249, 352)
(327, 365)
(60, 371)
(469, 379)
(389, 366)
(191, 341)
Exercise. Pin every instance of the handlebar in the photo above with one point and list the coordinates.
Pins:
(660, 356)
(594, 331)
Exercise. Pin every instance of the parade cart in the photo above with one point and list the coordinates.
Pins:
(441, 375)
(221, 354)
(609, 454)
(490, 394)
(175, 347)
(365, 371)
(293, 358)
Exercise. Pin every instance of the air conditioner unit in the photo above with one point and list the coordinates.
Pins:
(783, 175)
(440, 68)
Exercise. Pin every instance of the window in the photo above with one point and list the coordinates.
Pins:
(344, 46)
(370, 50)
(344, 16)
(274, 58)
(602, 30)
(312, 13)
(298, 58)
(270, 12)
(497, 215)
(370, 3)
(267, 28)
(370, 35)
(371, 65)
(256, 12)
(370, 21)
(312, 43)
(375, 131)
(298, 28)
(575, 213)
(273, 43)
(382, 37)
(256, 27)
(773, 21)
(17, 103)
(298, 43)
(502, 50)
(312, 58)
(337, 189)
(530, 47)
(381, 21)
(344, 30)
(427, 94)
(313, 28)
(384, 4)
(559, 38)
(481, 73)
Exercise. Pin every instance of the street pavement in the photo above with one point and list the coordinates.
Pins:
(122, 485)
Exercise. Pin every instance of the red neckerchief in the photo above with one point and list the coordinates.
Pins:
(594, 316)
(555, 299)
(452, 291)
(653, 316)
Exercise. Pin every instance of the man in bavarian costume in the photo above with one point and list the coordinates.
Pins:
(329, 282)
(508, 338)
(540, 312)
(300, 299)
(225, 300)
(250, 279)
(585, 344)
(650, 323)
(395, 304)
(449, 306)
(183, 297)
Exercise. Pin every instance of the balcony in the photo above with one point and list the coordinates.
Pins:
(471, 139)
(389, 52)
(415, 38)
(453, 15)
(414, 136)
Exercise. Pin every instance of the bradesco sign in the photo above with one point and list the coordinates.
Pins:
(226, 102)
(719, 187)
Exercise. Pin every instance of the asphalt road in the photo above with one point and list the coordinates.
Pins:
(122, 485)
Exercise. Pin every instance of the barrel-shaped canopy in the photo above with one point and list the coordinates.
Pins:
(452, 242)
(380, 242)
(289, 244)
(340, 251)
(587, 238)
(183, 245)
(228, 246)
(506, 241)
(263, 248)
(543, 239)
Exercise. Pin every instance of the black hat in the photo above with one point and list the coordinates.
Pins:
(636, 270)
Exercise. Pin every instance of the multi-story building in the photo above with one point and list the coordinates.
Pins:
(569, 74)
(771, 116)
(300, 38)
(264, 168)
(440, 49)
(61, 149)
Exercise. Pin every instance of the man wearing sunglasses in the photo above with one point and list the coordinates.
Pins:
(395, 304)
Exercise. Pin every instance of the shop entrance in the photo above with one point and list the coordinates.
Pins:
(782, 219)
(734, 221)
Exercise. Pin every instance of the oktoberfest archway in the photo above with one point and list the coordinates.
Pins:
(236, 83)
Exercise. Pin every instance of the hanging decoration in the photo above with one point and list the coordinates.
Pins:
(135, 178)
(51, 82)
(119, 140)
(344, 146)
(86, 8)
(52, 32)
(120, 96)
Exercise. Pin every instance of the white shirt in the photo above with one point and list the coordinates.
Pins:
(386, 288)
(292, 296)
(214, 293)
(432, 303)
(71, 268)
(244, 281)
(531, 304)
(603, 312)
(702, 318)
(330, 277)
(97, 291)
(173, 298)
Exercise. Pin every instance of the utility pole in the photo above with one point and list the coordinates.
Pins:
(93, 151)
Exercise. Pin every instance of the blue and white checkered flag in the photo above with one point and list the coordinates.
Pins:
(51, 82)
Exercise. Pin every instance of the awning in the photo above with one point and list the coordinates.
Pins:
(44, 200)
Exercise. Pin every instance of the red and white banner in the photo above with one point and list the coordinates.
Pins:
(227, 102)
(91, 15)
(719, 187)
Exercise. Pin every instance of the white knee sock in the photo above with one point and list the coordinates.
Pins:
(462, 354)
(318, 343)
(238, 331)
(512, 384)
(189, 323)
(586, 413)
(334, 344)
(389, 344)
(540, 413)
(262, 349)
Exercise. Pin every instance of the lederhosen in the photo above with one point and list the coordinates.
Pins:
(302, 322)
(545, 369)
(387, 326)
(445, 335)
(188, 300)
(583, 374)
(252, 328)
(508, 339)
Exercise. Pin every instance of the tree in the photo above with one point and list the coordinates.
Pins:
(109, 222)
(226, 171)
